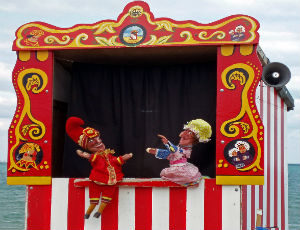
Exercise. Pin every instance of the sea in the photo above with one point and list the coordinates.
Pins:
(12, 201)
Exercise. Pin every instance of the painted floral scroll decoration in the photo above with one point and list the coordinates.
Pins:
(163, 31)
(238, 34)
(25, 155)
(238, 127)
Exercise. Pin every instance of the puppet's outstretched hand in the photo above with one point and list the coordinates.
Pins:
(163, 138)
(127, 156)
(151, 151)
(83, 154)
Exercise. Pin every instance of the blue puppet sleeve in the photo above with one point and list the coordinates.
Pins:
(162, 153)
(171, 147)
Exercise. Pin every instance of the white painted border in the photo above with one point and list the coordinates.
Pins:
(59, 204)
(231, 207)
(195, 207)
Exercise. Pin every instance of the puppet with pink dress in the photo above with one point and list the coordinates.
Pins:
(181, 171)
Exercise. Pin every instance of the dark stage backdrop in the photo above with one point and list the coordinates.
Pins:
(130, 105)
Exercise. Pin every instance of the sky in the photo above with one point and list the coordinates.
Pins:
(279, 38)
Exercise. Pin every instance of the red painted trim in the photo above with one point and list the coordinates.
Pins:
(109, 218)
(137, 183)
(150, 184)
(76, 205)
(143, 208)
(39, 207)
(282, 211)
(177, 218)
(39, 105)
(229, 104)
(212, 206)
(275, 159)
(244, 206)
(268, 156)
(253, 210)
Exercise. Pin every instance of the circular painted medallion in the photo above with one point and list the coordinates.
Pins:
(28, 155)
(133, 35)
(240, 153)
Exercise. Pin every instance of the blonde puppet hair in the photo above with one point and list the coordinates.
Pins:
(201, 129)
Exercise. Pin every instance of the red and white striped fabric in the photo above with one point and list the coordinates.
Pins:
(272, 196)
(61, 206)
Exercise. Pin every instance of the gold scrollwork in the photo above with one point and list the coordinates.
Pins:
(52, 39)
(108, 42)
(157, 41)
(245, 126)
(106, 27)
(79, 38)
(189, 37)
(36, 82)
(29, 80)
(152, 40)
(218, 34)
(32, 129)
(163, 39)
(245, 76)
(109, 26)
(167, 25)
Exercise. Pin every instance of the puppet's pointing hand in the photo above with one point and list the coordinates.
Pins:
(83, 154)
(163, 138)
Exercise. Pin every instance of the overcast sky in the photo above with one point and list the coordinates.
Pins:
(279, 38)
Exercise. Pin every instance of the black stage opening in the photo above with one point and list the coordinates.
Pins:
(130, 105)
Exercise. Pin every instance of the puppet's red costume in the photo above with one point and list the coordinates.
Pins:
(106, 168)
(106, 172)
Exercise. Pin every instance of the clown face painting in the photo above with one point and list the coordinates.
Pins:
(29, 155)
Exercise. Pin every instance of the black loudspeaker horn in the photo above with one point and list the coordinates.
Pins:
(276, 75)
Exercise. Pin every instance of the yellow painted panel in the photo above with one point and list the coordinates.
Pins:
(24, 55)
(42, 55)
(246, 49)
(227, 50)
(25, 180)
(240, 180)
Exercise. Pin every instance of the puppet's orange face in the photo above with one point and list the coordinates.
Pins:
(95, 144)
(242, 148)
(34, 38)
(187, 137)
(30, 155)
(234, 153)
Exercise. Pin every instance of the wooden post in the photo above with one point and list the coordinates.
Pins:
(258, 217)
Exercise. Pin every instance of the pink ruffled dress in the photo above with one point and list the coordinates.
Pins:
(180, 171)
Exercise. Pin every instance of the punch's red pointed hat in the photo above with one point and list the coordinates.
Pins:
(79, 134)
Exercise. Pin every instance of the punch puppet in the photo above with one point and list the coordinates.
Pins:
(106, 169)
(181, 171)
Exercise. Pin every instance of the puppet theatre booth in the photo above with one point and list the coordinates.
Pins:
(134, 78)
